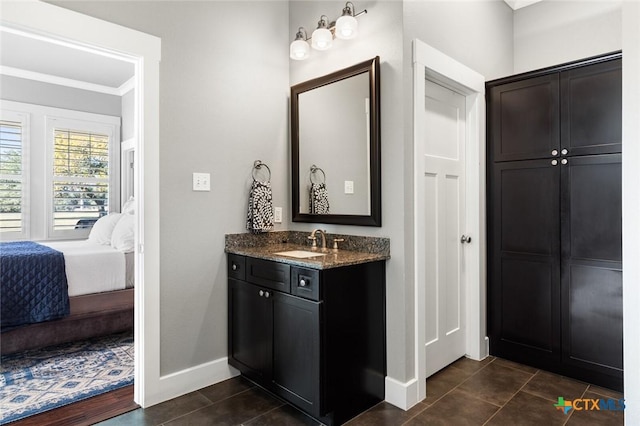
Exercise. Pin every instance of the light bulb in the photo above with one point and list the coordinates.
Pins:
(321, 39)
(346, 27)
(299, 50)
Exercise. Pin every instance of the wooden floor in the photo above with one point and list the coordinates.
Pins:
(87, 412)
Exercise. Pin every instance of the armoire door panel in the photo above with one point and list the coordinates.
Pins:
(592, 109)
(593, 306)
(528, 203)
(592, 207)
(524, 248)
(527, 302)
(591, 223)
(554, 219)
(524, 119)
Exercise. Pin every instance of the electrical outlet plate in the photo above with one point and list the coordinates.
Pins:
(348, 187)
(277, 214)
(201, 182)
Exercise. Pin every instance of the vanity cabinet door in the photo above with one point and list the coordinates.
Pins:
(250, 329)
(296, 351)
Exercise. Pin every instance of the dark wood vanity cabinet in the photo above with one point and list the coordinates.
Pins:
(315, 338)
(555, 219)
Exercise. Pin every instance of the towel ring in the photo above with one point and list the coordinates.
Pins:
(257, 165)
(315, 169)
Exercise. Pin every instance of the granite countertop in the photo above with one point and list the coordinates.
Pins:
(331, 259)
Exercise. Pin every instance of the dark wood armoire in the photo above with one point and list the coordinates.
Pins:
(554, 218)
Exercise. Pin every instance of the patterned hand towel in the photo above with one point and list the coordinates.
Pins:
(318, 199)
(260, 214)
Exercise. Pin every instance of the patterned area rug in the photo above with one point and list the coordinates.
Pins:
(39, 380)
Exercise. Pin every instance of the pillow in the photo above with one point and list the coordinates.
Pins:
(123, 237)
(102, 230)
(129, 207)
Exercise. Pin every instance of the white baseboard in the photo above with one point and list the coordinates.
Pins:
(191, 379)
(402, 395)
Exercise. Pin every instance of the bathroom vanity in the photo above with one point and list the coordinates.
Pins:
(311, 330)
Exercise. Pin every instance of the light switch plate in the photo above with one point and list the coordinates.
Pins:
(201, 182)
(348, 187)
(277, 214)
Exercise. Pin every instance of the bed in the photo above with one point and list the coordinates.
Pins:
(99, 285)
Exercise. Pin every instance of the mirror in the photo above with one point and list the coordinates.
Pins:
(335, 147)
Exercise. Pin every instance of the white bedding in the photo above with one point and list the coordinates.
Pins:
(91, 267)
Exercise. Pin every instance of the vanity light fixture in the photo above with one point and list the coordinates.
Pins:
(299, 49)
(347, 25)
(322, 39)
(345, 28)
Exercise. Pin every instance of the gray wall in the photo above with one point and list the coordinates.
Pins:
(478, 34)
(223, 104)
(553, 32)
(52, 95)
(380, 34)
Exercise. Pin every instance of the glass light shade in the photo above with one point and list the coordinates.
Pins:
(321, 39)
(299, 50)
(346, 27)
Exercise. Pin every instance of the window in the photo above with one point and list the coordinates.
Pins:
(80, 178)
(84, 175)
(59, 171)
(13, 176)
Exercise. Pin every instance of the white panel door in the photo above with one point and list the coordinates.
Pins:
(441, 199)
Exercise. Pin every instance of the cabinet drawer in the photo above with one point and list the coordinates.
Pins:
(305, 283)
(268, 274)
(235, 266)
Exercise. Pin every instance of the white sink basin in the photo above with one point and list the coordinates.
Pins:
(300, 254)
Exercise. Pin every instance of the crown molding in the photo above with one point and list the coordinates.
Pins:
(519, 4)
(127, 86)
(68, 82)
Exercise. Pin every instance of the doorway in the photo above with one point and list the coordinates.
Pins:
(448, 213)
(64, 27)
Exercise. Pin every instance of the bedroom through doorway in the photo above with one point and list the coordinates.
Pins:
(76, 188)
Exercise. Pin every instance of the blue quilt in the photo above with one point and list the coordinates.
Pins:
(34, 284)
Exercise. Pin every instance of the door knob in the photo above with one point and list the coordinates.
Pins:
(465, 239)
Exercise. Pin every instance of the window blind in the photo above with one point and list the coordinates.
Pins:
(11, 188)
(80, 178)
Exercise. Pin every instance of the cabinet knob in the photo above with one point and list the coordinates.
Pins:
(564, 161)
(465, 239)
(564, 151)
(303, 283)
(554, 162)
(266, 294)
(554, 152)
(234, 267)
(261, 293)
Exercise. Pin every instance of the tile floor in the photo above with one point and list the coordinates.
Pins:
(490, 392)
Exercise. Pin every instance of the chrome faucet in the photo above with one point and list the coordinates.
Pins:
(313, 237)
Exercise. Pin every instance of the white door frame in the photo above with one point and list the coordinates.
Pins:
(58, 25)
(436, 66)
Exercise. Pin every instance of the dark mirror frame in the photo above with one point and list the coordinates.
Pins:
(372, 67)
